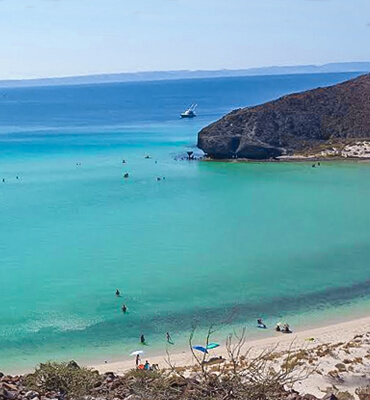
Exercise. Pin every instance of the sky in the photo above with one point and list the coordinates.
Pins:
(45, 38)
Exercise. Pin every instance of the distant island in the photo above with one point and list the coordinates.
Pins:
(362, 67)
(320, 123)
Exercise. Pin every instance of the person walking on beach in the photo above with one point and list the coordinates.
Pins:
(137, 360)
(142, 339)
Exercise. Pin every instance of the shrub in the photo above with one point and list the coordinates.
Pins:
(65, 378)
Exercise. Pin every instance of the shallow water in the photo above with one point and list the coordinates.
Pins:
(209, 243)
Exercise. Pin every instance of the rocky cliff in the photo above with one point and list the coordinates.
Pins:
(294, 124)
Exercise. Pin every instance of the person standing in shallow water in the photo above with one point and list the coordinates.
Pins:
(124, 308)
(142, 339)
(168, 337)
(118, 293)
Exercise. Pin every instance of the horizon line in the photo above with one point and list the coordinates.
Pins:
(153, 75)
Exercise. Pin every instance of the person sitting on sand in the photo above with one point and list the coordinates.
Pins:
(147, 365)
(142, 339)
(118, 293)
(124, 308)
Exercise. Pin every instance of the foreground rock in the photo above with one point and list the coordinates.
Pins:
(303, 123)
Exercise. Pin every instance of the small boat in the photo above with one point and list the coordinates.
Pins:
(190, 112)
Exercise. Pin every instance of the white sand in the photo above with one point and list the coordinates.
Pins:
(359, 371)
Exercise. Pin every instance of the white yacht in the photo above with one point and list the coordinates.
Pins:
(190, 112)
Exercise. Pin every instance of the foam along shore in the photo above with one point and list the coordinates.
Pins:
(339, 354)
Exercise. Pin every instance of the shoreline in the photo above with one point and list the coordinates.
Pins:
(329, 334)
(120, 363)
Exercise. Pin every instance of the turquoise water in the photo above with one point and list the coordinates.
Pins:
(211, 242)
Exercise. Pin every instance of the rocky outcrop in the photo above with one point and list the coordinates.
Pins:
(294, 124)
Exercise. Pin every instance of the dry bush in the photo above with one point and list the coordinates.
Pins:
(66, 379)
(363, 393)
(344, 395)
(241, 376)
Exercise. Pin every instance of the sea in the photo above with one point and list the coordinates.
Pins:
(189, 244)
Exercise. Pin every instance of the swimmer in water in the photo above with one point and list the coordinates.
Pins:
(118, 293)
(124, 308)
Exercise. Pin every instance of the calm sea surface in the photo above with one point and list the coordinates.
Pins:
(210, 242)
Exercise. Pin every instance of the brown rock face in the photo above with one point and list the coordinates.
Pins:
(292, 124)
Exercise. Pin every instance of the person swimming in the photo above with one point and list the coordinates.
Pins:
(124, 308)
(118, 293)
(260, 323)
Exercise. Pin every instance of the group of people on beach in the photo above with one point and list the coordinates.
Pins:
(284, 328)
(142, 337)
(146, 366)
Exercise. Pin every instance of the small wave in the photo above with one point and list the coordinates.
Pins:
(50, 322)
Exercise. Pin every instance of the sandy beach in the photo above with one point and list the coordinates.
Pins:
(348, 345)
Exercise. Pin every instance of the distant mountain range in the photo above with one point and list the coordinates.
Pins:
(185, 74)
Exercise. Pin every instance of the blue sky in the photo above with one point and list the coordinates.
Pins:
(40, 38)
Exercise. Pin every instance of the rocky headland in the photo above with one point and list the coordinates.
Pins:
(324, 122)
